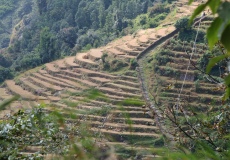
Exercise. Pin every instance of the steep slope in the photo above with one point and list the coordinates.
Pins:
(119, 95)
(68, 26)
(117, 110)
(15, 16)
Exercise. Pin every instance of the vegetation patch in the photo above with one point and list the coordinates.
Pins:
(131, 102)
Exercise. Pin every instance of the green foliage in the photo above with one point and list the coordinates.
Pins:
(204, 133)
(197, 85)
(158, 9)
(219, 29)
(93, 94)
(31, 60)
(5, 61)
(162, 59)
(6, 102)
(133, 64)
(116, 65)
(212, 32)
(131, 102)
(154, 22)
(5, 73)
(81, 27)
(103, 111)
(51, 133)
(7, 6)
(47, 48)
(225, 37)
(90, 94)
(25, 129)
(221, 59)
(212, 62)
(204, 60)
(204, 152)
(150, 20)
(51, 34)
(106, 66)
(183, 24)
(112, 64)
(103, 57)
(42, 6)
(190, 34)
(158, 142)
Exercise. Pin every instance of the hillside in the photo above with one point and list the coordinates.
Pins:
(105, 87)
(63, 83)
(27, 25)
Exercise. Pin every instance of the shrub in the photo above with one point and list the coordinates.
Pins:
(168, 71)
(182, 23)
(179, 47)
(162, 60)
(197, 85)
(157, 9)
(117, 65)
(133, 63)
(103, 57)
(106, 66)
(154, 22)
(5, 73)
(143, 20)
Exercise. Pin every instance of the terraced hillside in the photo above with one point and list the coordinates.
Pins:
(172, 81)
(64, 85)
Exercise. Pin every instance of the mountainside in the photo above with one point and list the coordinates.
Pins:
(67, 27)
(107, 88)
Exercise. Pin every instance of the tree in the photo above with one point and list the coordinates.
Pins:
(182, 24)
(5, 73)
(47, 46)
(42, 6)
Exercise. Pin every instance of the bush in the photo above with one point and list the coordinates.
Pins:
(157, 9)
(182, 23)
(106, 66)
(103, 57)
(162, 60)
(179, 47)
(169, 71)
(143, 20)
(154, 22)
(197, 85)
(133, 63)
(117, 65)
(5, 73)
